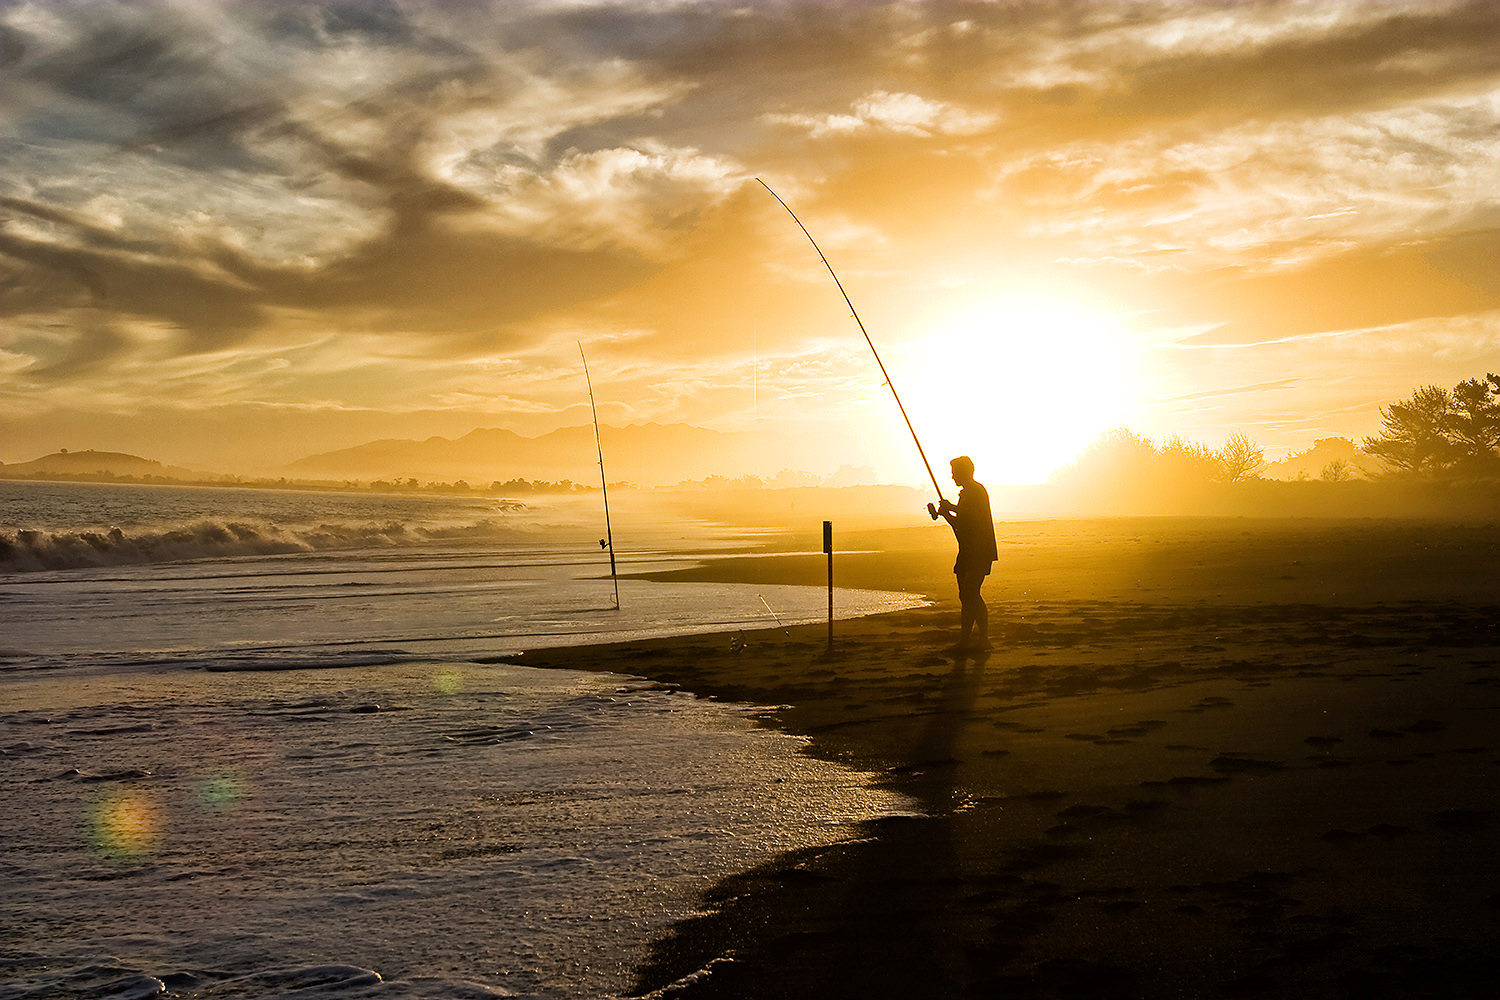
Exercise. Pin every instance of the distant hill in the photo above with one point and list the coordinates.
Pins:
(645, 454)
(94, 465)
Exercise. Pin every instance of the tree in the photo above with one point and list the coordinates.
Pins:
(1337, 471)
(1119, 456)
(1442, 432)
(1188, 461)
(1120, 463)
(1412, 439)
(1241, 459)
(1126, 460)
(1474, 426)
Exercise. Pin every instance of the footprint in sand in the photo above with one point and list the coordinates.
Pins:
(1462, 820)
(1342, 836)
(1235, 763)
(1185, 782)
(1143, 728)
(1422, 727)
(1084, 813)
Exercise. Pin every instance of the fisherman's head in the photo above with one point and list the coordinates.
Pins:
(963, 470)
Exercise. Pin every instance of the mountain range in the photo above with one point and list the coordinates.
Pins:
(644, 454)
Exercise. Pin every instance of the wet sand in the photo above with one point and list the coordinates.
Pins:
(1206, 758)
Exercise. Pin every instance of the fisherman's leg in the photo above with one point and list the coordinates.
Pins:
(965, 609)
(981, 611)
(972, 610)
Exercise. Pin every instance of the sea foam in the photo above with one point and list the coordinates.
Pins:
(31, 550)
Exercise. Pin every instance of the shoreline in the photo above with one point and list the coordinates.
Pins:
(1278, 787)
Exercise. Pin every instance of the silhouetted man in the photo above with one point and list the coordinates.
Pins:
(974, 527)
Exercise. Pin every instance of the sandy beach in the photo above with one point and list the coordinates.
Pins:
(1206, 758)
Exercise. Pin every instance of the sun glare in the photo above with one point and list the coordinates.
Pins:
(1019, 384)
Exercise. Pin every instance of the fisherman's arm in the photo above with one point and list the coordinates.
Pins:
(947, 510)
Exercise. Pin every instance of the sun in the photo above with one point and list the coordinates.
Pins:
(1020, 383)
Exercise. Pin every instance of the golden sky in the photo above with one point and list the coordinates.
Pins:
(236, 233)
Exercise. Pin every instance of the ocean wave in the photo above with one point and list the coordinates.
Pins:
(28, 550)
(113, 979)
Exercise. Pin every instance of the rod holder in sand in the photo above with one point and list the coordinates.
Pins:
(828, 550)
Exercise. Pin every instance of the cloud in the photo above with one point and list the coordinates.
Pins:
(908, 114)
(1371, 285)
(1219, 392)
(1224, 195)
(641, 198)
(1338, 382)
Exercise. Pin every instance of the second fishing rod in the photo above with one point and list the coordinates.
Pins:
(932, 511)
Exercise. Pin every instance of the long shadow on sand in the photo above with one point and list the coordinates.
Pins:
(874, 917)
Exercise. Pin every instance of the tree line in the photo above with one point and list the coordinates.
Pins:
(1435, 434)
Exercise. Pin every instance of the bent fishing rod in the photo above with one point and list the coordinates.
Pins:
(855, 313)
(608, 541)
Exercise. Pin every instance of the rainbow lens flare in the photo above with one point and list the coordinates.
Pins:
(125, 824)
(220, 792)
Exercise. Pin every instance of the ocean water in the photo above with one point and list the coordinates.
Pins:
(259, 743)
(113, 577)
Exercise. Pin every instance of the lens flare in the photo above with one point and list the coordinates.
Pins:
(447, 682)
(125, 824)
(220, 792)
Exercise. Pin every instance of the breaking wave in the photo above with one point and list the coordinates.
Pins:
(27, 550)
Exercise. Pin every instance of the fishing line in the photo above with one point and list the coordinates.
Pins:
(855, 313)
